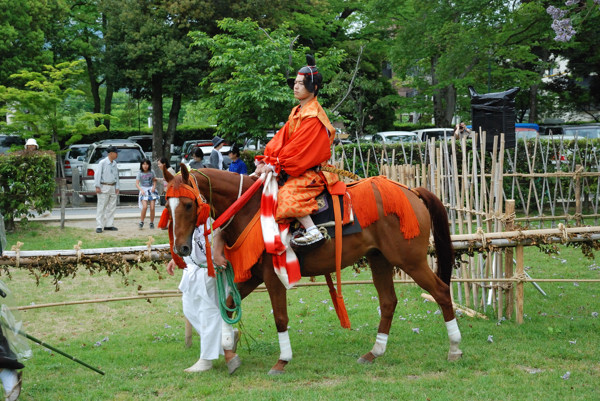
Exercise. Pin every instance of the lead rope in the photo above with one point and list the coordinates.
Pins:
(220, 271)
(236, 311)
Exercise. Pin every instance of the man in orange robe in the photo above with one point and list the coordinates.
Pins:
(297, 152)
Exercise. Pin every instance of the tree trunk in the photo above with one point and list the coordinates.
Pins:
(171, 128)
(110, 89)
(157, 116)
(94, 86)
(533, 91)
(444, 99)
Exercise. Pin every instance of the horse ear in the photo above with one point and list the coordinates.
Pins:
(185, 173)
(166, 174)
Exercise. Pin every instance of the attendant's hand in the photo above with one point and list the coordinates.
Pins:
(170, 267)
(220, 260)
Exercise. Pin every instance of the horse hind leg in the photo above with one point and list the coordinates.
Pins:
(383, 279)
(440, 291)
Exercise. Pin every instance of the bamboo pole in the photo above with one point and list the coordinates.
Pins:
(520, 271)
(510, 210)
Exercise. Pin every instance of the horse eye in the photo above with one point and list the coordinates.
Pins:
(188, 206)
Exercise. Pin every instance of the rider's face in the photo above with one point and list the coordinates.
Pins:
(300, 91)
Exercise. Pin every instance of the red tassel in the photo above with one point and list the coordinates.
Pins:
(164, 219)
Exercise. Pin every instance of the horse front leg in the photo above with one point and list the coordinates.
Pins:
(277, 294)
(382, 272)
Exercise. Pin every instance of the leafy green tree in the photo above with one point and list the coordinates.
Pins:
(248, 78)
(41, 110)
(22, 36)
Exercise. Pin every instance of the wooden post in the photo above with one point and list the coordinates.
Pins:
(189, 330)
(76, 187)
(63, 201)
(508, 253)
(578, 208)
(520, 272)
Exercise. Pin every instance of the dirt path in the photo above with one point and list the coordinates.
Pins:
(128, 228)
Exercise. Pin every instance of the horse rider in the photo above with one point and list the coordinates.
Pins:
(297, 152)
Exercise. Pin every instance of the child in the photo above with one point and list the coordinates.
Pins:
(146, 183)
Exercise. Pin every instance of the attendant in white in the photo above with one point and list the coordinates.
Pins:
(106, 181)
(201, 308)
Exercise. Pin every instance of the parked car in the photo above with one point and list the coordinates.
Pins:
(129, 157)
(437, 133)
(7, 141)
(74, 158)
(388, 137)
(582, 131)
(145, 141)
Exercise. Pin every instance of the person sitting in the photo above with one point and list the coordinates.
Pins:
(297, 152)
(237, 165)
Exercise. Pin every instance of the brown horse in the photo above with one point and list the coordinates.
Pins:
(381, 242)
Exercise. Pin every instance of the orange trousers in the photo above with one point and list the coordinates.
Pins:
(297, 197)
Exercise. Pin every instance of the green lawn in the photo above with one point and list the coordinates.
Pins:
(140, 345)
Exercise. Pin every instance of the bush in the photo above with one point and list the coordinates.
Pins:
(26, 184)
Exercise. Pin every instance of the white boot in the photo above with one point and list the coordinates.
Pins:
(201, 366)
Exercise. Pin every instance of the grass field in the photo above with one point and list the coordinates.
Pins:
(140, 345)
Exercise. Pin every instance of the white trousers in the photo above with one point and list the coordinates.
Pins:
(106, 206)
(201, 308)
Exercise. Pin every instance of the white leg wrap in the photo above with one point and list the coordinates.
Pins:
(285, 348)
(227, 336)
(453, 332)
(380, 344)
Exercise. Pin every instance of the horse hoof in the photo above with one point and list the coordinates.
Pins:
(454, 356)
(275, 372)
(364, 361)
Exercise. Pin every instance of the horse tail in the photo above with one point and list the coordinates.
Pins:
(441, 234)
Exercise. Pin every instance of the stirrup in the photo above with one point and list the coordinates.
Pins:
(304, 238)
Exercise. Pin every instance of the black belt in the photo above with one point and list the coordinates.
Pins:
(108, 183)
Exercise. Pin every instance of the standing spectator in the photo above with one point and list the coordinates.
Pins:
(31, 144)
(462, 130)
(216, 158)
(106, 181)
(146, 183)
(198, 161)
(201, 308)
(237, 165)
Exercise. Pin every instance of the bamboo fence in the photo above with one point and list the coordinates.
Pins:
(558, 188)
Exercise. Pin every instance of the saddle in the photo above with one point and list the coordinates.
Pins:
(324, 219)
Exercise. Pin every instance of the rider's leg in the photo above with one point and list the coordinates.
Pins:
(312, 233)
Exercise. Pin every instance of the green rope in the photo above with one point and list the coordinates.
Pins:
(235, 294)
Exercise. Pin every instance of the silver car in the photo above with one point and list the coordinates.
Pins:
(129, 157)
(74, 158)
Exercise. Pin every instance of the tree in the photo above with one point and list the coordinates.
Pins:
(248, 78)
(441, 48)
(149, 48)
(22, 33)
(41, 110)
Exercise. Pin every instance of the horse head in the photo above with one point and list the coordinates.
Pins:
(186, 207)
